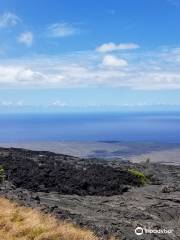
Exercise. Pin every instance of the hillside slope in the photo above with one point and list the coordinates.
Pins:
(22, 223)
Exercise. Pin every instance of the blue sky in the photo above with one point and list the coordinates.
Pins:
(64, 55)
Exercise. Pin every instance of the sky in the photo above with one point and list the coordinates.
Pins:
(89, 55)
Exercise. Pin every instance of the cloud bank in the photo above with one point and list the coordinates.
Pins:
(146, 70)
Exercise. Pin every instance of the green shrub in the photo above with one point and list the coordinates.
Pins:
(142, 178)
(1, 174)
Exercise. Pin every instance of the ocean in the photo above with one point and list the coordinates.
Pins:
(146, 126)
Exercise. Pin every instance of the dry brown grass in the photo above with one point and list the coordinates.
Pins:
(21, 223)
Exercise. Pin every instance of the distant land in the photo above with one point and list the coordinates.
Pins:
(168, 153)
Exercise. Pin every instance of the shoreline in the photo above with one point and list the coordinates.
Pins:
(136, 152)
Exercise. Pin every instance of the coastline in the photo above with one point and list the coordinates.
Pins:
(136, 152)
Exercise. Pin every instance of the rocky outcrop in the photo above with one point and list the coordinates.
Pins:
(43, 171)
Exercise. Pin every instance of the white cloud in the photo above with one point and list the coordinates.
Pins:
(8, 19)
(19, 75)
(26, 38)
(109, 47)
(6, 103)
(11, 103)
(158, 69)
(113, 61)
(60, 30)
(58, 103)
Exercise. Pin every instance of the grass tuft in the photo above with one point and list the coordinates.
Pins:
(2, 172)
(140, 175)
(21, 223)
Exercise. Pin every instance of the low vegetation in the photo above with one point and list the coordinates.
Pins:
(21, 223)
(1, 174)
(140, 175)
